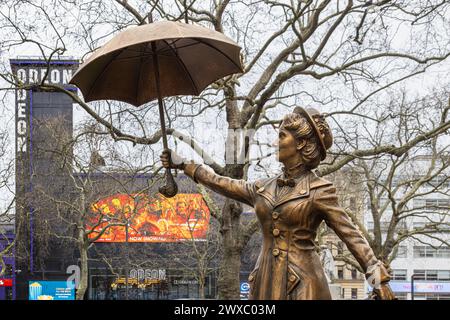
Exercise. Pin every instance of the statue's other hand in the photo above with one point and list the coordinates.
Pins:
(170, 160)
(384, 292)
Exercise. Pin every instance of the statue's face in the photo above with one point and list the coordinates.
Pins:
(286, 145)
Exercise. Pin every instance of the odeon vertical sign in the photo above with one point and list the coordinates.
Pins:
(31, 71)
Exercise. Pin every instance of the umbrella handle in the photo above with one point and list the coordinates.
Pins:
(170, 188)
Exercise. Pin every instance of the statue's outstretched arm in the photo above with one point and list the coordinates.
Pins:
(326, 202)
(236, 189)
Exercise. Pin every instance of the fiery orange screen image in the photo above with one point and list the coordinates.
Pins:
(183, 217)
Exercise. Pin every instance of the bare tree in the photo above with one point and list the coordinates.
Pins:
(7, 206)
(203, 255)
(396, 187)
(78, 219)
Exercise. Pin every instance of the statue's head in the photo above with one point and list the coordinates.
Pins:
(304, 134)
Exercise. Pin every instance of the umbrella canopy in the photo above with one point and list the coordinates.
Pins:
(189, 58)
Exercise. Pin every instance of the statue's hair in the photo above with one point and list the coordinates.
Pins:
(302, 130)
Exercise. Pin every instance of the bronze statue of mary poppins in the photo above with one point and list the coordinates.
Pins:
(290, 208)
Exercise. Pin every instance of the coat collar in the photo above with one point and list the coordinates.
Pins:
(267, 188)
(300, 190)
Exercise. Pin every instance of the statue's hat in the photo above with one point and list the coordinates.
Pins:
(320, 127)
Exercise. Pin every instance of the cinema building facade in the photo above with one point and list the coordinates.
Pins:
(139, 244)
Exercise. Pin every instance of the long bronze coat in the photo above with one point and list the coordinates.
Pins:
(288, 266)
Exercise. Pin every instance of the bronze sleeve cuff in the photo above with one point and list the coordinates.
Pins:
(190, 170)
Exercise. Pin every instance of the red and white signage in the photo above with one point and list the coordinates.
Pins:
(6, 283)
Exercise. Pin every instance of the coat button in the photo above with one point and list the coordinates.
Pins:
(251, 278)
(275, 215)
(276, 232)
(275, 252)
(292, 278)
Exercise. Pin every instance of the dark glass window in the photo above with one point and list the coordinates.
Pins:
(354, 293)
(340, 273)
(399, 274)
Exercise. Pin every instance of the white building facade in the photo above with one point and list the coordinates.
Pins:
(423, 258)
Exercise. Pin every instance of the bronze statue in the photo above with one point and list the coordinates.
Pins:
(290, 208)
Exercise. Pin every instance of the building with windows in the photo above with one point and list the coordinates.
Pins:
(349, 279)
(425, 219)
(148, 256)
(421, 267)
(430, 267)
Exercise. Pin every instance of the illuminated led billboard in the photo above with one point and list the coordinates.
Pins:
(183, 217)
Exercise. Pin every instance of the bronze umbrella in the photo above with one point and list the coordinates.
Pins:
(157, 60)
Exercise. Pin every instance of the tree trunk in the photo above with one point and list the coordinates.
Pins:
(84, 272)
(201, 286)
(230, 266)
(229, 282)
